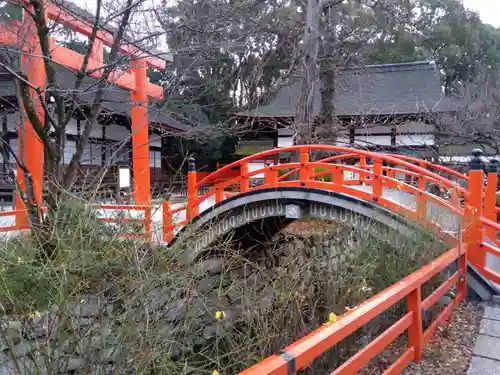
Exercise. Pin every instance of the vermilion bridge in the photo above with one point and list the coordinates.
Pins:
(352, 185)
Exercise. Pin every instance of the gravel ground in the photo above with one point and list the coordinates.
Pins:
(448, 353)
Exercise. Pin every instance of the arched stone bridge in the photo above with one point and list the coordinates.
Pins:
(258, 215)
(351, 186)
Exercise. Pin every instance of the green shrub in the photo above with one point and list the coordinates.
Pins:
(325, 177)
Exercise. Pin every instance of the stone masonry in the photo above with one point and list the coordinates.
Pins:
(486, 358)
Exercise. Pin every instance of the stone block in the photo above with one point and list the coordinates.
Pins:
(492, 313)
(487, 346)
(111, 354)
(74, 363)
(211, 266)
(490, 327)
(207, 284)
(176, 310)
(483, 366)
(90, 306)
(24, 348)
(157, 298)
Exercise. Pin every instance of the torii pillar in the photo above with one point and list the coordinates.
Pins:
(140, 134)
(30, 148)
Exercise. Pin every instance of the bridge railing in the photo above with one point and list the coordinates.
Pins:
(120, 214)
(299, 355)
(372, 169)
(11, 227)
(124, 214)
(480, 235)
(394, 164)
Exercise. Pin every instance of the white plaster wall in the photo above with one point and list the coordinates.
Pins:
(285, 132)
(415, 140)
(342, 141)
(256, 165)
(415, 127)
(372, 140)
(285, 141)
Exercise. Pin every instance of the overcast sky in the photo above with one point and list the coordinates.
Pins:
(489, 10)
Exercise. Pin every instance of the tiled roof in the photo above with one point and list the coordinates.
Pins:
(115, 99)
(407, 88)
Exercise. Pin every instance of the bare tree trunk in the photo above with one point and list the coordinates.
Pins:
(304, 116)
(327, 128)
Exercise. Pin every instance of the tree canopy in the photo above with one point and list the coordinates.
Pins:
(232, 54)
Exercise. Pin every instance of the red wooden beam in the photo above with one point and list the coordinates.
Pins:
(9, 35)
(29, 144)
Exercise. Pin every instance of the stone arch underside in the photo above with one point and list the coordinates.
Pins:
(258, 215)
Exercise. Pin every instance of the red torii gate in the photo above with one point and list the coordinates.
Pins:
(24, 36)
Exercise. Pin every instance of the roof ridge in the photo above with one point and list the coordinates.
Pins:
(393, 67)
(410, 63)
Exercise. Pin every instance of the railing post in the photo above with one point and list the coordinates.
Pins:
(338, 175)
(455, 197)
(422, 199)
(219, 193)
(490, 211)
(192, 206)
(377, 179)
(462, 280)
(362, 165)
(168, 228)
(415, 331)
(473, 231)
(244, 182)
(304, 174)
(271, 175)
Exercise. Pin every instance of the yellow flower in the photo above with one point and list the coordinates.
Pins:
(220, 315)
(215, 372)
(37, 314)
(332, 318)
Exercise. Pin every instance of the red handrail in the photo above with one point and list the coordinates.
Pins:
(368, 154)
(192, 209)
(328, 168)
